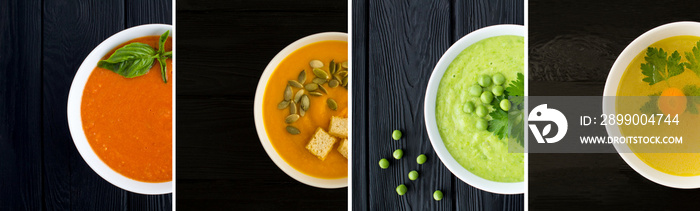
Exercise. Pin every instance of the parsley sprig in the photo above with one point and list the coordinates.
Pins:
(509, 124)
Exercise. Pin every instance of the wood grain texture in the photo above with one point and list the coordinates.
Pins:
(20, 105)
(223, 47)
(358, 84)
(405, 41)
(396, 46)
(139, 12)
(71, 31)
(573, 45)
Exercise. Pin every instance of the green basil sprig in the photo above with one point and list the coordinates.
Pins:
(136, 59)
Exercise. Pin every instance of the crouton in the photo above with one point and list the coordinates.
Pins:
(321, 144)
(338, 127)
(343, 148)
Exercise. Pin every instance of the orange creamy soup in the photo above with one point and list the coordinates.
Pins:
(128, 121)
(292, 147)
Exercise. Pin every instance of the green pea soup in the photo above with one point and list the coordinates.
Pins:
(477, 150)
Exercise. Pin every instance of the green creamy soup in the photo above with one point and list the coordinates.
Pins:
(479, 151)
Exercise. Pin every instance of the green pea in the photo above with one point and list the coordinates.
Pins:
(481, 111)
(396, 135)
(401, 189)
(499, 79)
(475, 90)
(497, 90)
(383, 163)
(482, 124)
(437, 195)
(486, 97)
(398, 154)
(469, 107)
(505, 104)
(421, 159)
(413, 175)
(484, 80)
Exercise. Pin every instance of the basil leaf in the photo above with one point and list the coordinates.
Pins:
(129, 68)
(163, 68)
(161, 42)
(132, 60)
(131, 51)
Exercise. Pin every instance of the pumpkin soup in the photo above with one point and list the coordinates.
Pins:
(668, 84)
(128, 121)
(305, 92)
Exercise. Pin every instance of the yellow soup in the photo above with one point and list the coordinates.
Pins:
(292, 147)
(632, 84)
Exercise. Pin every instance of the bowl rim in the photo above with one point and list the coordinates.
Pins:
(611, 84)
(429, 109)
(260, 126)
(74, 118)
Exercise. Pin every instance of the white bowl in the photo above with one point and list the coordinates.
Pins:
(260, 126)
(75, 123)
(430, 121)
(613, 81)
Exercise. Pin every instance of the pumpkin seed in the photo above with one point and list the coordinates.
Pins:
(331, 67)
(302, 112)
(315, 94)
(345, 65)
(319, 81)
(292, 108)
(288, 93)
(337, 67)
(342, 73)
(297, 97)
(316, 63)
(291, 118)
(292, 130)
(305, 103)
(283, 104)
(323, 89)
(345, 81)
(302, 77)
(333, 83)
(332, 104)
(337, 77)
(320, 73)
(311, 87)
(295, 84)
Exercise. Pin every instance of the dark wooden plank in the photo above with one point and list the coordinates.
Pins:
(572, 47)
(476, 14)
(470, 16)
(360, 163)
(223, 41)
(222, 49)
(20, 105)
(71, 30)
(140, 12)
(405, 41)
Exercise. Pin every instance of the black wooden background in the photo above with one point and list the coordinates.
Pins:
(42, 44)
(396, 45)
(222, 49)
(573, 45)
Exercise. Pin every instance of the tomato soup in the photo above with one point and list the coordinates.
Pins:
(128, 121)
(292, 147)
